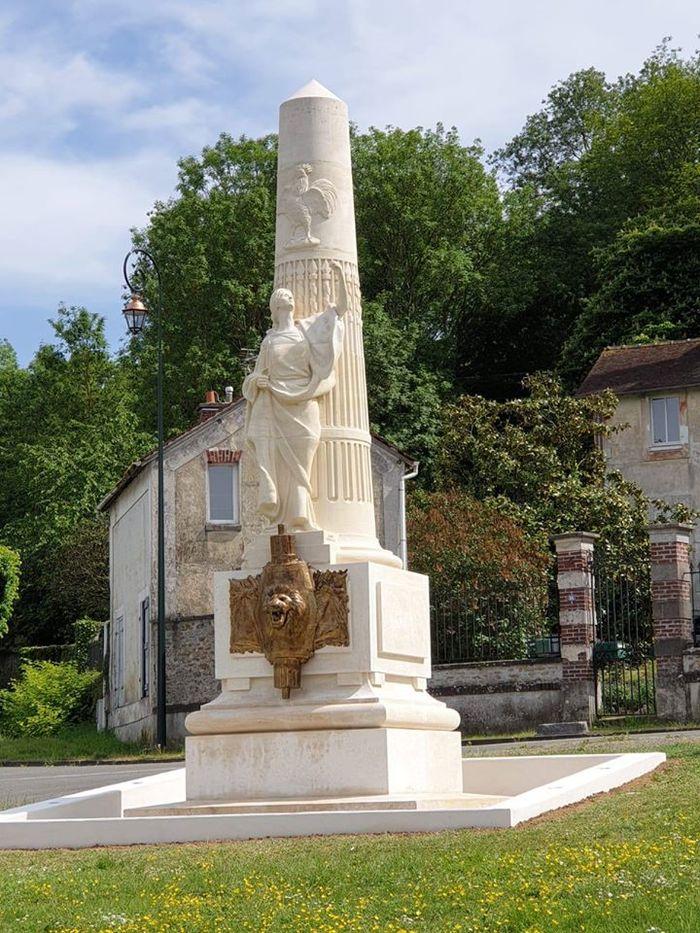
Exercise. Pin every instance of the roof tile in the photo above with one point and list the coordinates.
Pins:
(629, 370)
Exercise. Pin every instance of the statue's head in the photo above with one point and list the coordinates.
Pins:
(281, 302)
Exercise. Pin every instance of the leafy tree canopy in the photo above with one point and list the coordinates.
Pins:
(537, 460)
(426, 212)
(69, 430)
(600, 161)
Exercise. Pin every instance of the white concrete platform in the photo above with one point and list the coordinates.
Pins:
(497, 793)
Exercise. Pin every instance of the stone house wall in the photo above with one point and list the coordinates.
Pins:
(190, 680)
(663, 473)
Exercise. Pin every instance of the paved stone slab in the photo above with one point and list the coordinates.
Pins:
(562, 729)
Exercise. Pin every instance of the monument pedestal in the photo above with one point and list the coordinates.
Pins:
(323, 763)
(362, 722)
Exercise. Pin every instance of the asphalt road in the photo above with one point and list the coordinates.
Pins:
(21, 785)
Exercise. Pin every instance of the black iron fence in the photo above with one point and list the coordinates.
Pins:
(512, 624)
(695, 596)
(623, 652)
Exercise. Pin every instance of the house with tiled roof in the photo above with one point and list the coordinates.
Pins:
(210, 513)
(658, 388)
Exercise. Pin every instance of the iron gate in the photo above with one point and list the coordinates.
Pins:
(695, 596)
(623, 652)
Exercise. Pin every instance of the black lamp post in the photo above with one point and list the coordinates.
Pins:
(135, 313)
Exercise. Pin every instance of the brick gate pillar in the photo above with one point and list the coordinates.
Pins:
(577, 623)
(669, 547)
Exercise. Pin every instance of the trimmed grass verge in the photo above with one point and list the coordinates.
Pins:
(625, 861)
(75, 744)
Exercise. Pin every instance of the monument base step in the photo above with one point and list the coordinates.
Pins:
(321, 804)
(323, 763)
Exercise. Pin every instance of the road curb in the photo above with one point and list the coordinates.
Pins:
(82, 762)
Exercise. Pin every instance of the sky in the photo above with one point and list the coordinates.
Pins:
(98, 100)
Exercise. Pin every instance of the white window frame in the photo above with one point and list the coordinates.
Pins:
(666, 443)
(236, 474)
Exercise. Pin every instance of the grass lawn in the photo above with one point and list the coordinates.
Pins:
(77, 743)
(626, 861)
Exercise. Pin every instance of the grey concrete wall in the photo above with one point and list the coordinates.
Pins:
(500, 696)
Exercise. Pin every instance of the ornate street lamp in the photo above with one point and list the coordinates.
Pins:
(136, 313)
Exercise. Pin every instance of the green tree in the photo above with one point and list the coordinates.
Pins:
(214, 243)
(649, 289)
(426, 212)
(69, 432)
(470, 547)
(599, 160)
(10, 565)
(540, 156)
(536, 459)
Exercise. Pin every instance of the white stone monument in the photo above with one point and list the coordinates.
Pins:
(346, 739)
(361, 722)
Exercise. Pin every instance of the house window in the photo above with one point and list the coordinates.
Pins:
(145, 617)
(665, 420)
(223, 505)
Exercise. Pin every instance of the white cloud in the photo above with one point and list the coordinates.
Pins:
(180, 55)
(189, 122)
(481, 66)
(44, 91)
(69, 222)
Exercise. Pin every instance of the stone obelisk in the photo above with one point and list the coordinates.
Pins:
(315, 235)
(354, 717)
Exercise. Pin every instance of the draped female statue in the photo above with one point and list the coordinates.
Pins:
(295, 367)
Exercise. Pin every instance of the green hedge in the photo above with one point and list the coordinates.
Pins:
(46, 697)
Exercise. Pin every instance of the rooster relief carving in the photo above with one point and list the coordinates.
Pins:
(303, 202)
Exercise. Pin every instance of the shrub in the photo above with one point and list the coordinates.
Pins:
(46, 697)
(9, 584)
(470, 547)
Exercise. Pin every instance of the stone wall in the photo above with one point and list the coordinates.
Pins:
(189, 653)
(691, 677)
(500, 696)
